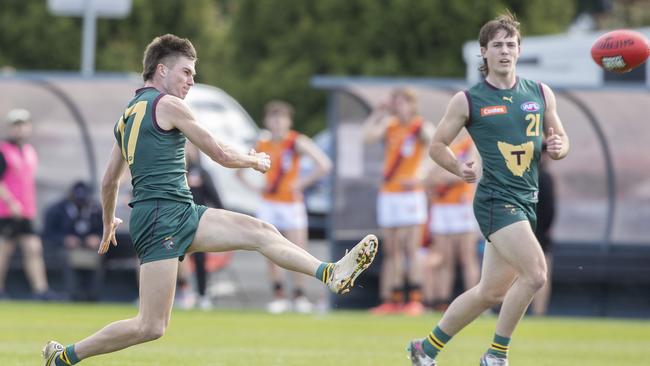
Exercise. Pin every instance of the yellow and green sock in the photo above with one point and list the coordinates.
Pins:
(324, 272)
(499, 347)
(67, 358)
(435, 342)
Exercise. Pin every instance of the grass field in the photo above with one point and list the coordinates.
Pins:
(231, 338)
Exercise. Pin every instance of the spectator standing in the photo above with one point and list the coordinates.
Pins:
(18, 163)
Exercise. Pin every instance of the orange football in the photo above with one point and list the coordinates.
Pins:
(620, 50)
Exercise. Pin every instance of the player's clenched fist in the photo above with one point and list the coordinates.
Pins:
(263, 161)
(554, 144)
(469, 172)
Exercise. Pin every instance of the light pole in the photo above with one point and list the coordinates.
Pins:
(90, 10)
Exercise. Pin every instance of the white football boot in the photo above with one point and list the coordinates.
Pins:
(491, 360)
(51, 351)
(417, 356)
(355, 261)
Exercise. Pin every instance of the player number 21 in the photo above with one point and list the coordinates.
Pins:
(533, 125)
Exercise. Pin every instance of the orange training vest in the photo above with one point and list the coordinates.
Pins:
(282, 176)
(402, 154)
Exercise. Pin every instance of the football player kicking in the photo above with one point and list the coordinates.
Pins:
(165, 224)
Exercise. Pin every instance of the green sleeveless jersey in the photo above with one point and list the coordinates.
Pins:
(155, 157)
(507, 127)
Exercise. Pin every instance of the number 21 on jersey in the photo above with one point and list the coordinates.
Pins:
(533, 120)
(138, 109)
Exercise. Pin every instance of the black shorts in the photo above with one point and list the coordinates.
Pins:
(12, 228)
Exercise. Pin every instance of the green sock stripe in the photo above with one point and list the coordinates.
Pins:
(435, 342)
(429, 349)
(324, 271)
(442, 336)
(320, 272)
(502, 341)
(72, 356)
(499, 346)
(62, 360)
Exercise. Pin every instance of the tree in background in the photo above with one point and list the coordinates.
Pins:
(27, 44)
(265, 49)
(279, 45)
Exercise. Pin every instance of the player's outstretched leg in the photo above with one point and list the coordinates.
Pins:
(340, 276)
(417, 356)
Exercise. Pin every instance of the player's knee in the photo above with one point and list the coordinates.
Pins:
(265, 231)
(150, 332)
(491, 296)
(537, 279)
(268, 228)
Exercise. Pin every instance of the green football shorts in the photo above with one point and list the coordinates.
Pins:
(163, 229)
(494, 211)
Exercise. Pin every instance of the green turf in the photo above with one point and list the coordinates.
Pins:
(232, 338)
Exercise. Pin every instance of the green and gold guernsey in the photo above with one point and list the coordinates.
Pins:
(507, 127)
(156, 157)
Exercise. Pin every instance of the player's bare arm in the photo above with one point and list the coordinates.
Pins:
(374, 127)
(306, 147)
(110, 185)
(449, 127)
(557, 141)
(172, 112)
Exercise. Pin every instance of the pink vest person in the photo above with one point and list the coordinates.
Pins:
(19, 178)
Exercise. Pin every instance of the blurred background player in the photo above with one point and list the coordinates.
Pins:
(545, 218)
(282, 196)
(18, 164)
(74, 225)
(453, 229)
(204, 193)
(402, 202)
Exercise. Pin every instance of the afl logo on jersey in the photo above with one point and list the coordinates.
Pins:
(530, 107)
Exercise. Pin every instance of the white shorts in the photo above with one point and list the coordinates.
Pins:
(396, 209)
(283, 215)
(452, 219)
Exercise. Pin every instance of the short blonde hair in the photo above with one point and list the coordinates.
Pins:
(406, 93)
